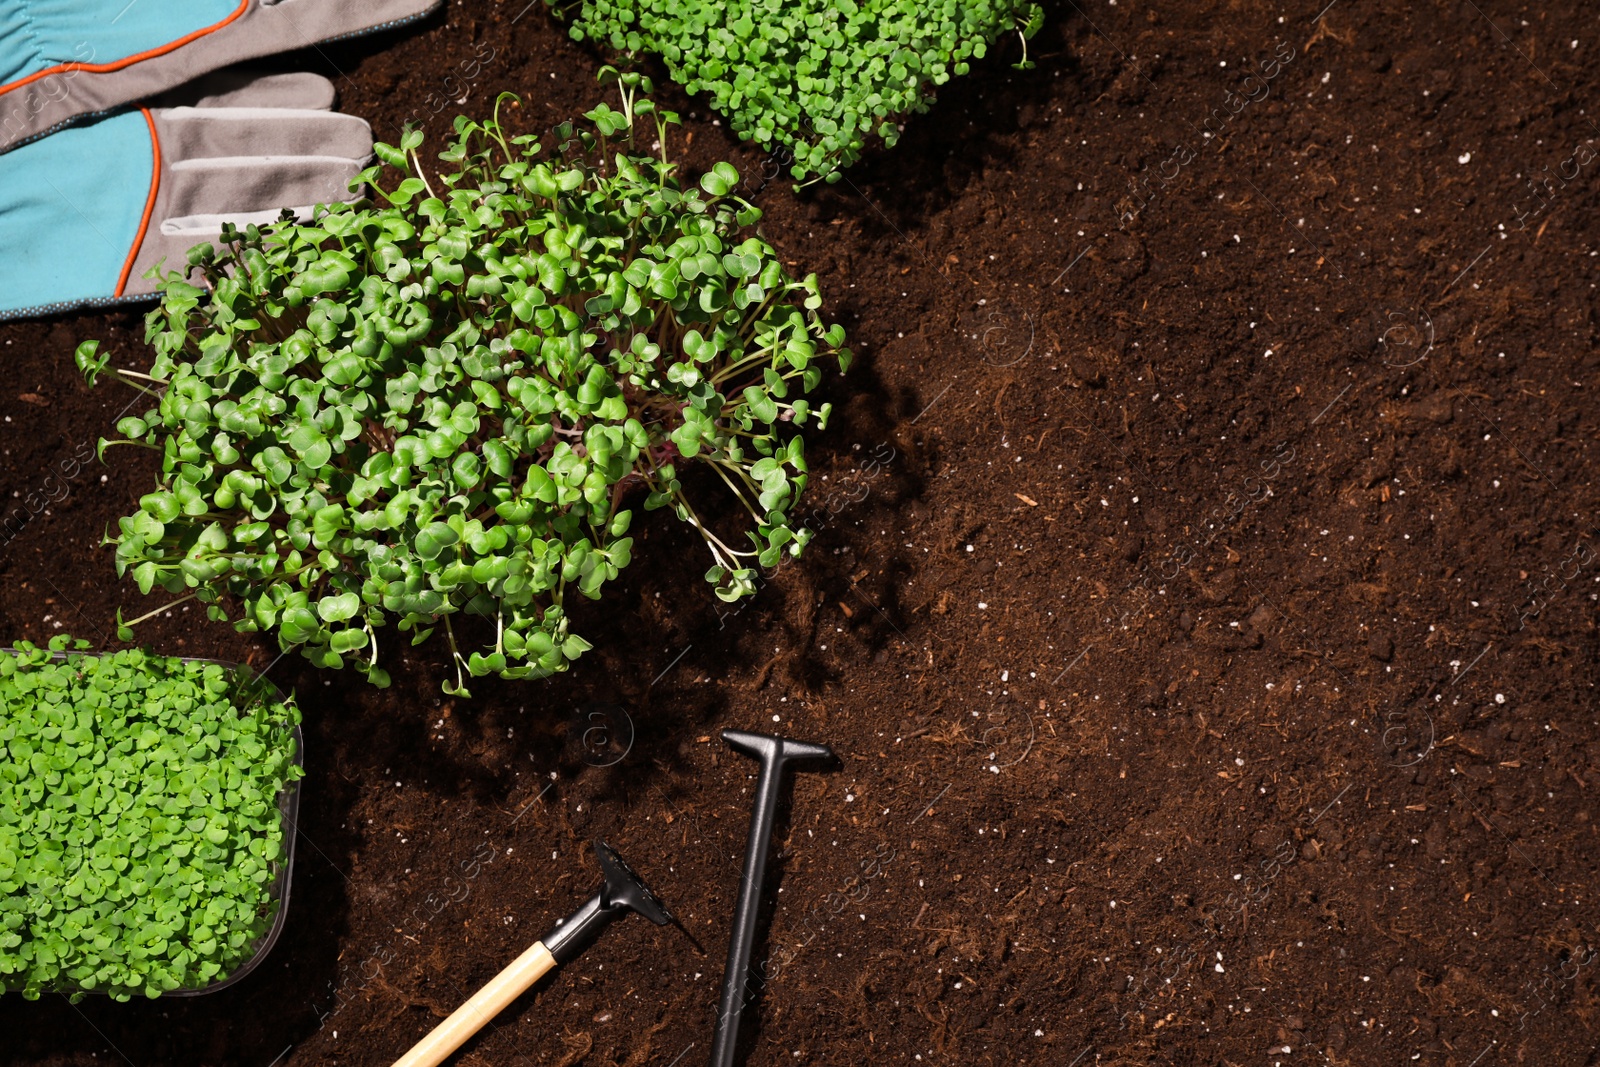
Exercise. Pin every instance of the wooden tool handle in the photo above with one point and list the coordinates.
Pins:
(484, 1005)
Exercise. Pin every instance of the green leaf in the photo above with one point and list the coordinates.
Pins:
(687, 438)
(145, 574)
(89, 360)
(405, 192)
(720, 180)
(434, 539)
(298, 624)
(762, 406)
(338, 608)
(162, 506)
(466, 470)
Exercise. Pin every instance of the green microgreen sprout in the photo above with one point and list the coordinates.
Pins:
(140, 827)
(813, 77)
(443, 404)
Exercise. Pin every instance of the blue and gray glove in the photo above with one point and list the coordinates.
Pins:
(92, 195)
(62, 60)
(86, 211)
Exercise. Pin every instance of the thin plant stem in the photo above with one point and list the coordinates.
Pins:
(162, 608)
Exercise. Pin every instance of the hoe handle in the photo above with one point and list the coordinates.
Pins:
(484, 1005)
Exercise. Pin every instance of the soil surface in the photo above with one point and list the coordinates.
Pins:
(1202, 604)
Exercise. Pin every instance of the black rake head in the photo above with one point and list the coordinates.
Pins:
(625, 889)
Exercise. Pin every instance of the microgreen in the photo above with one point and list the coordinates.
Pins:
(140, 832)
(815, 77)
(442, 404)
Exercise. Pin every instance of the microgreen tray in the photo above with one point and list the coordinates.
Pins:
(280, 870)
(289, 807)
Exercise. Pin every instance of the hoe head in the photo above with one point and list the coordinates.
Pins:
(775, 750)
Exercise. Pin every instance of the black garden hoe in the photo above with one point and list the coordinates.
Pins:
(622, 891)
(776, 754)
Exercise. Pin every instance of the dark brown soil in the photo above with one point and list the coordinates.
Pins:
(1203, 600)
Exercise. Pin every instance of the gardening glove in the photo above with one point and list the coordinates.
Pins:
(65, 59)
(86, 211)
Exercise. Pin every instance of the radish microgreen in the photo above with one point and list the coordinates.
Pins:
(814, 76)
(440, 404)
(139, 822)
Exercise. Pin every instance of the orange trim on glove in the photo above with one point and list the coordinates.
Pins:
(106, 68)
(149, 202)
